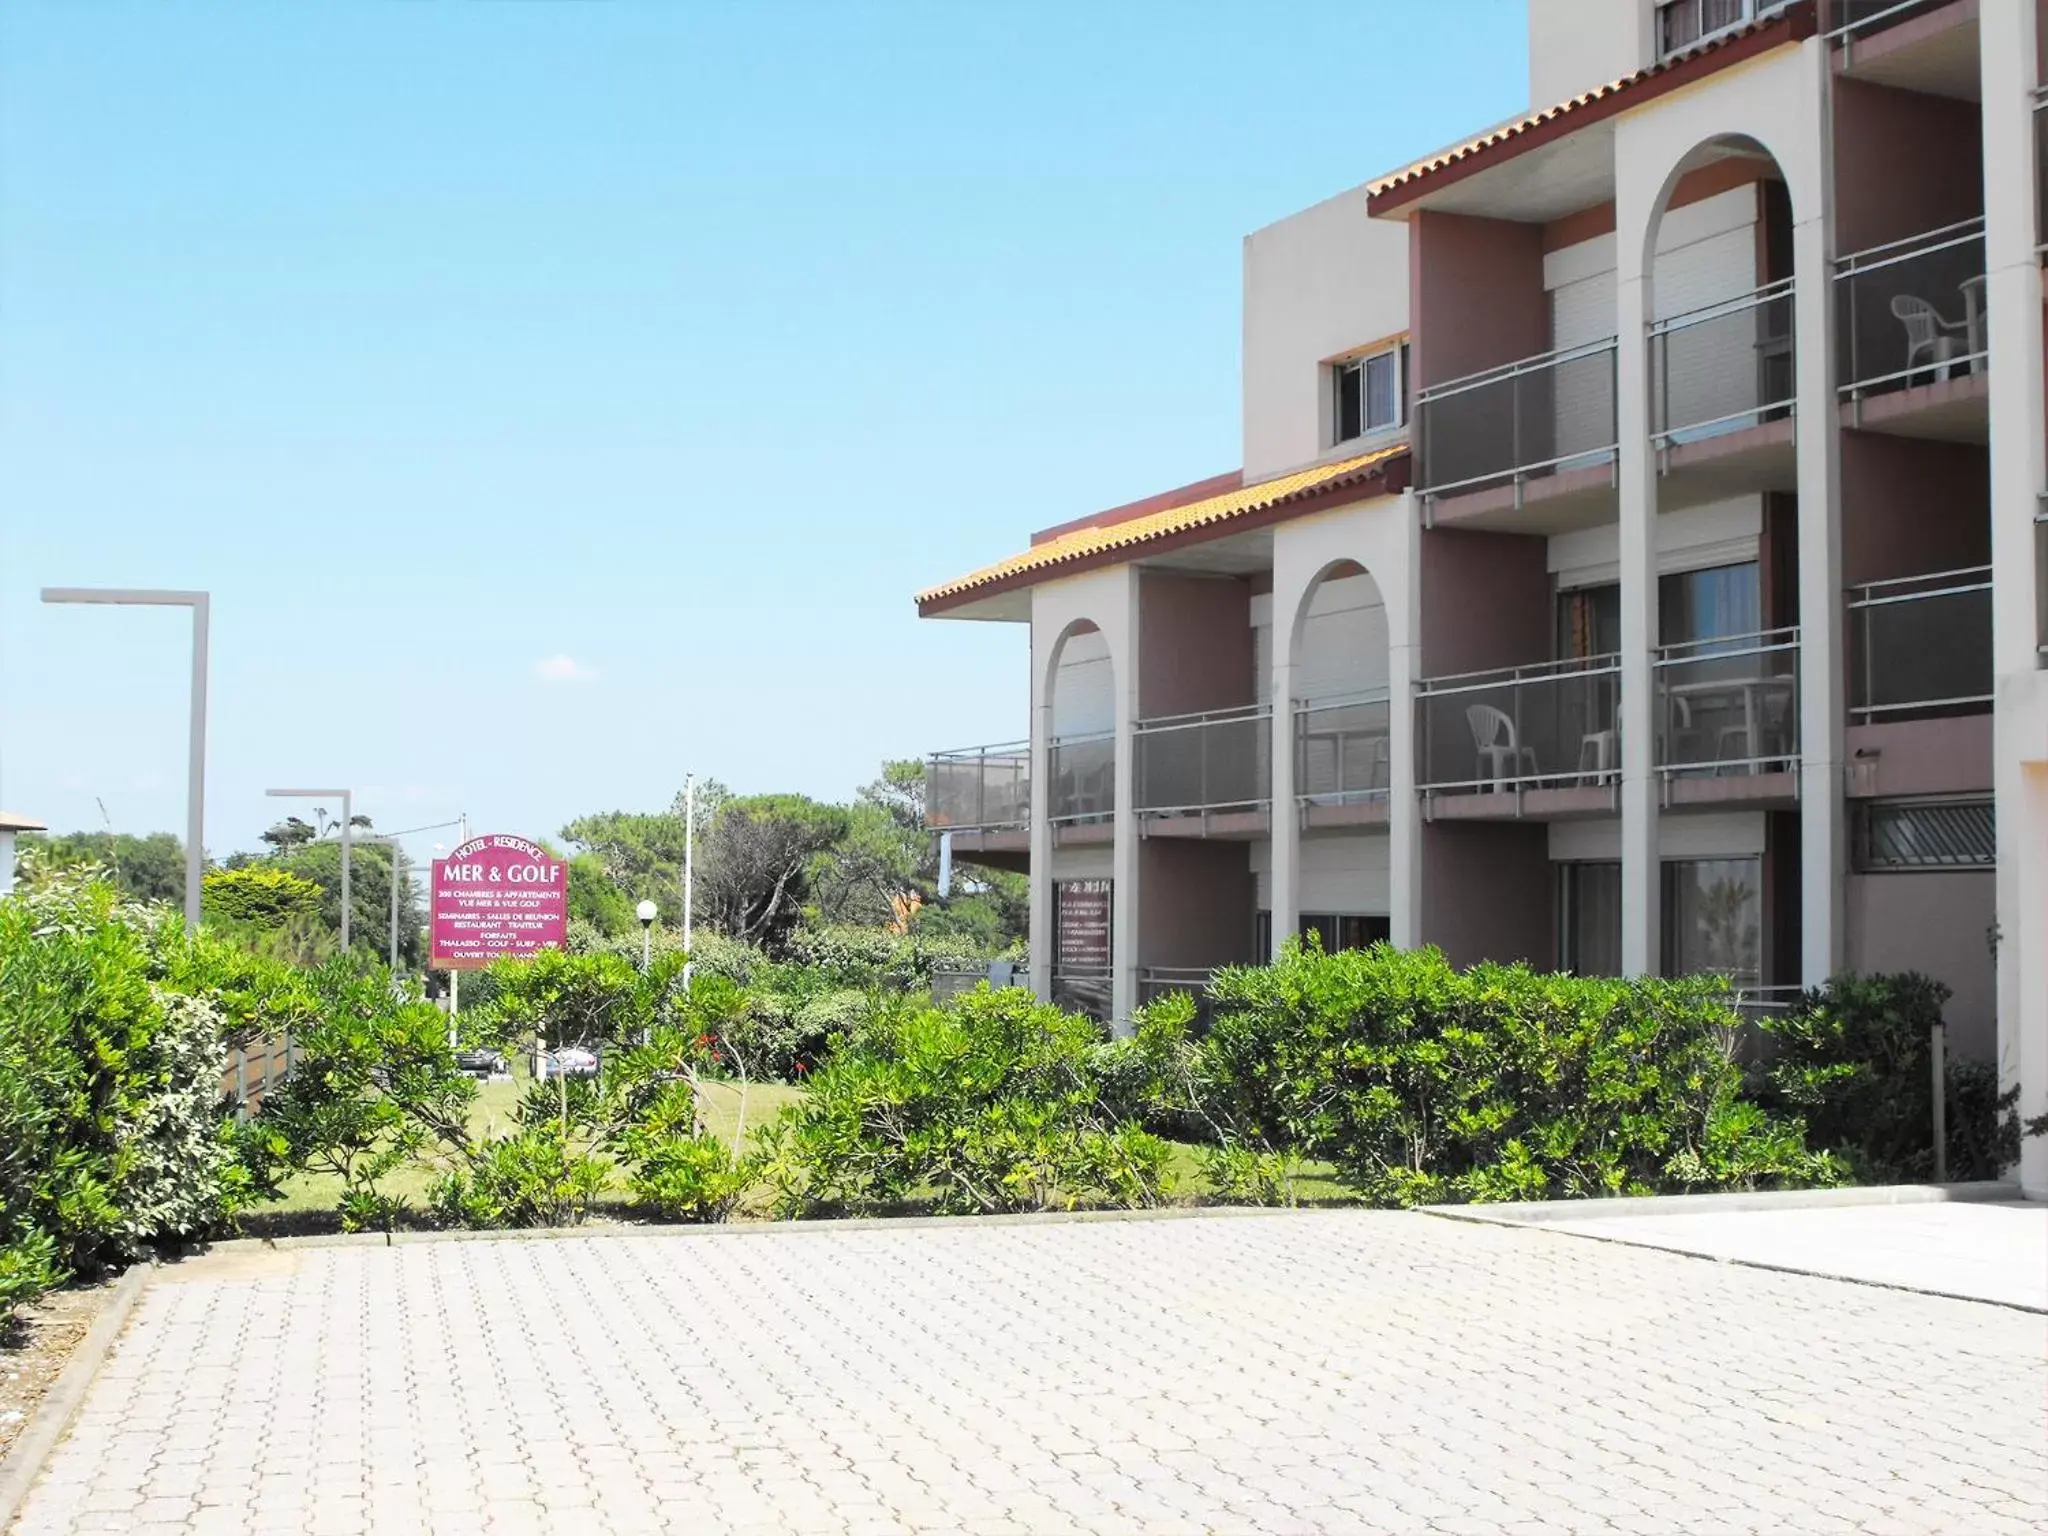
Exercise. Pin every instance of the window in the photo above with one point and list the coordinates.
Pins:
(1336, 930)
(1589, 919)
(1925, 834)
(1589, 622)
(1714, 918)
(1367, 394)
(1681, 23)
(1722, 603)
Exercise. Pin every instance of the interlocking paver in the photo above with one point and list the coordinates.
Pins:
(1324, 1372)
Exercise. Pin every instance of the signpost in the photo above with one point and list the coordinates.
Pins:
(497, 896)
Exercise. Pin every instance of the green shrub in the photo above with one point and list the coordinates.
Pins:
(113, 1028)
(680, 1173)
(1853, 1059)
(534, 1177)
(984, 1105)
(1424, 1083)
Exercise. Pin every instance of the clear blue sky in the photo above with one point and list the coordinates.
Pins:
(683, 341)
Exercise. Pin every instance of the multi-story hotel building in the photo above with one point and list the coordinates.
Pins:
(1634, 565)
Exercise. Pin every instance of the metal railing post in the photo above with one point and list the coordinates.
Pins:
(1937, 1056)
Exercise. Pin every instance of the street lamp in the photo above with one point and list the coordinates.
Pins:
(347, 799)
(646, 912)
(392, 844)
(195, 774)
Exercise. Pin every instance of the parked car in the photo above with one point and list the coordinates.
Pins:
(483, 1065)
(569, 1061)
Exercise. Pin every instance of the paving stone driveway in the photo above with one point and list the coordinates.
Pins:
(1353, 1371)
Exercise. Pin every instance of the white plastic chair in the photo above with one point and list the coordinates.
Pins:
(1501, 753)
(1927, 331)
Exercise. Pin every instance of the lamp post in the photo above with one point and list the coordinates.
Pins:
(195, 773)
(646, 912)
(392, 844)
(347, 798)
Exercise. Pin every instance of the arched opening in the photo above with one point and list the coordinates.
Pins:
(1338, 714)
(1721, 274)
(1081, 704)
(1723, 380)
(1339, 688)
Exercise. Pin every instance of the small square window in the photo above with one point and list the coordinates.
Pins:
(1366, 394)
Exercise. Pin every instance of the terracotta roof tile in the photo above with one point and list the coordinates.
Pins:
(1043, 560)
(1795, 20)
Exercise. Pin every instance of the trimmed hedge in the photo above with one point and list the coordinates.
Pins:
(1422, 1083)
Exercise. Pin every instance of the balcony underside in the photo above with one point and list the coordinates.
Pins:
(1009, 849)
(1946, 756)
(1755, 791)
(1708, 469)
(1934, 53)
(1586, 802)
(1727, 464)
(1945, 410)
(1549, 503)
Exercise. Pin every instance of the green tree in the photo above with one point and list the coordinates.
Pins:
(150, 868)
(596, 899)
(260, 894)
(370, 869)
(641, 853)
(761, 855)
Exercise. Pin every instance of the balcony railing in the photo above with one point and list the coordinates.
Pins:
(1512, 423)
(1340, 750)
(1551, 725)
(979, 788)
(1912, 311)
(1218, 761)
(1722, 367)
(1683, 24)
(1920, 644)
(1083, 772)
(1730, 705)
(1851, 20)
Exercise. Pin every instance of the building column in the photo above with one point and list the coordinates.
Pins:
(1284, 879)
(1823, 825)
(1642, 886)
(1041, 928)
(1401, 591)
(2010, 73)
(1124, 893)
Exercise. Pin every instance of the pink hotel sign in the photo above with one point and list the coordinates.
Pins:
(497, 896)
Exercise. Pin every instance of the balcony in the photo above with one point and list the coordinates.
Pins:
(1538, 417)
(1722, 368)
(1340, 750)
(1684, 24)
(979, 789)
(1550, 726)
(1911, 313)
(1920, 646)
(1851, 21)
(1083, 779)
(1190, 765)
(1728, 706)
